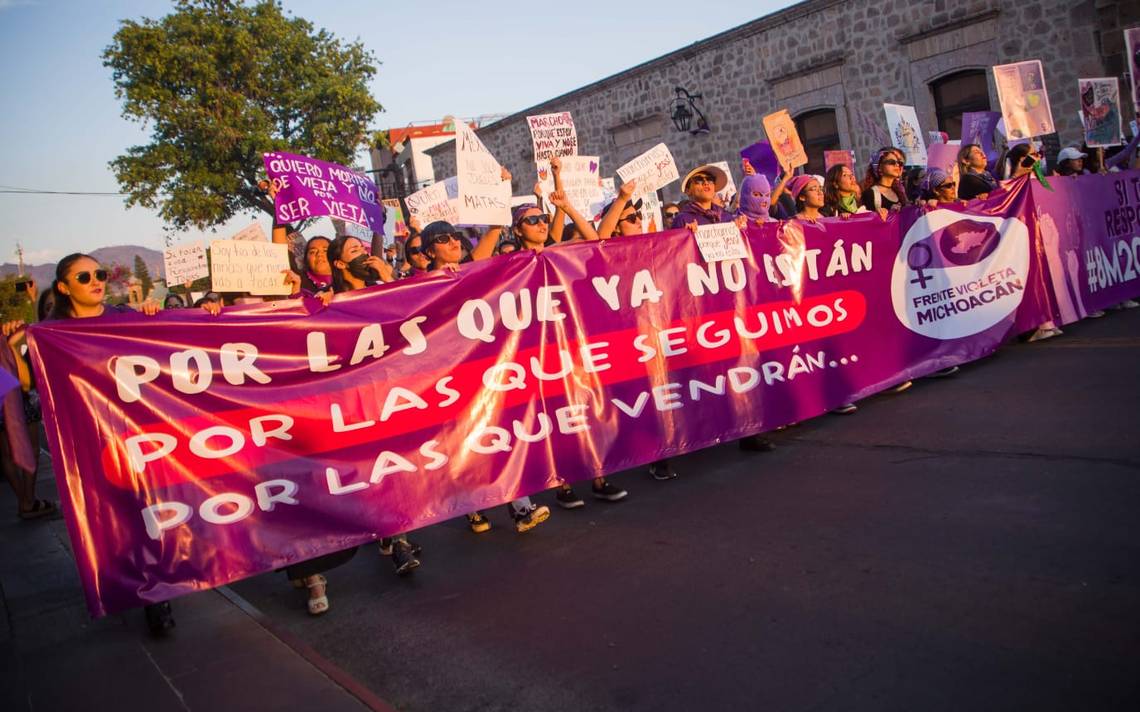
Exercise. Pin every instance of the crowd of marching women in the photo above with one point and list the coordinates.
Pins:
(330, 266)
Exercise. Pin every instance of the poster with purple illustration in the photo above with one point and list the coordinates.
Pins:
(978, 127)
(902, 122)
(1024, 99)
(1100, 111)
(308, 188)
(192, 451)
(1132, 58)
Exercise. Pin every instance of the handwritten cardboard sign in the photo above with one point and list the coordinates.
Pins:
(1100, 111)
(1024, 99)
(308, 187)
(185, 263)
(484, 197)
(785, 139)
(252, 231)
(553, 135)
(838, 158)
(249, 266)
(902, 122)
(652, 170)
(394, 222)
(721, 241)
(579, 182)
(431, 204)
(729, 190)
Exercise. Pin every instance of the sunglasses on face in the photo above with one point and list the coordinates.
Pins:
(701, 178)
(440, 239)
(631, 218)
(890, 162)
(670, 214)
(533, 220)
(85, 277)
(947, 186)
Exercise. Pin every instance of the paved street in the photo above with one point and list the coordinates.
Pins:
(972, 543)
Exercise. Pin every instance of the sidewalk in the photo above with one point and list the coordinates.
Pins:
(221, 656)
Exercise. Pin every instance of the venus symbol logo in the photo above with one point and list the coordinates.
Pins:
(956, 275)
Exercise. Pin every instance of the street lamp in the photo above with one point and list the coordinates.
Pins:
(684, 109)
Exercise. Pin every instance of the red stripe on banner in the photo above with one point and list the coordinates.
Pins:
(783, 324)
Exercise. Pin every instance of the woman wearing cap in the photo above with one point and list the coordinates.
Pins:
(974, 180)
(701, 185)
(807, 191)
(882, 185)
(1070, 162)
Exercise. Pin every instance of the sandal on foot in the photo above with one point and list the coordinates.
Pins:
(320, 604)
(40, 508)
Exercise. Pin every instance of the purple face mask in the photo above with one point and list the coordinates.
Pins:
(755, 197)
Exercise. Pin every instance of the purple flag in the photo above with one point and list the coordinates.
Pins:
(7, 381)
(192, 450)
(763, 159)
(308, 187)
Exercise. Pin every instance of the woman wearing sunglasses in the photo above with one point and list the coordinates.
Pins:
(621, 217)
(80, 287)
(882, 186)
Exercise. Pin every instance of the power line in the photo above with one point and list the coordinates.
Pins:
(16, 190)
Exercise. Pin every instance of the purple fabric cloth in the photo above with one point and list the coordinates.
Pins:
(15, 425)
(691, 212)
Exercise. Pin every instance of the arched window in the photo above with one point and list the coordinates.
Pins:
(819, 132)
(956, 94)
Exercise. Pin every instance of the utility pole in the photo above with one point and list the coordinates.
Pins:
(20, 257)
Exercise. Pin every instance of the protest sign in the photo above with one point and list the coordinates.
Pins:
(249, 266)
(651, 220)
(785, 139)
(609, 192)
(652, 170)
(252, 231)
(721, 241)
(729, 190)
(430, 204)
(273, 448)
(944, 156)
(838, 158)
(484, 197)
(1024, 99)
(394, 222)
(308, 187)
(1132, 62)
(552, 135)
(185, 263)
(934, 137)
(579, 182)
(360, 232)
(978, 127)
(762, 158)
(1100, 111)
(902, 122)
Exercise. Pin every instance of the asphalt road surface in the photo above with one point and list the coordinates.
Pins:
(971, 544)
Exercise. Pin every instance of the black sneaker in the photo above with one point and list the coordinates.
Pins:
(609, 492)
(403, 559)
(567, 499)
(159, 618)
(530, 520)
(756, 443)
(662, 470)
(478, 523)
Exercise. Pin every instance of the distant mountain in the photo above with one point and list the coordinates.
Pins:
(118, 254)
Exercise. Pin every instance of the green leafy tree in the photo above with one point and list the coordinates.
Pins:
(143, 274)
(220, 83)
(17, 301)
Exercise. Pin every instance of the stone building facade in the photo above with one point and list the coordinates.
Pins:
(832, 62)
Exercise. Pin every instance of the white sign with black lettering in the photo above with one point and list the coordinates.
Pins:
(721, 241)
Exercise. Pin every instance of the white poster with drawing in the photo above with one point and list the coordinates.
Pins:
(902, 123)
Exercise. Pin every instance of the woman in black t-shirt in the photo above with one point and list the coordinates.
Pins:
(882, 186)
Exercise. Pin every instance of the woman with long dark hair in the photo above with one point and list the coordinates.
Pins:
(882, 185)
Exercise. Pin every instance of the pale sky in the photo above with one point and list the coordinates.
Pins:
(61, 123)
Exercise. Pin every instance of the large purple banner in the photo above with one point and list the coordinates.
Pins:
(194, 450)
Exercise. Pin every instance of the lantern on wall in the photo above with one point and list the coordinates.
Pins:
(685, 110)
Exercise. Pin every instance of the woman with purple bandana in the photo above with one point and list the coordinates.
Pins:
(807, 191)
